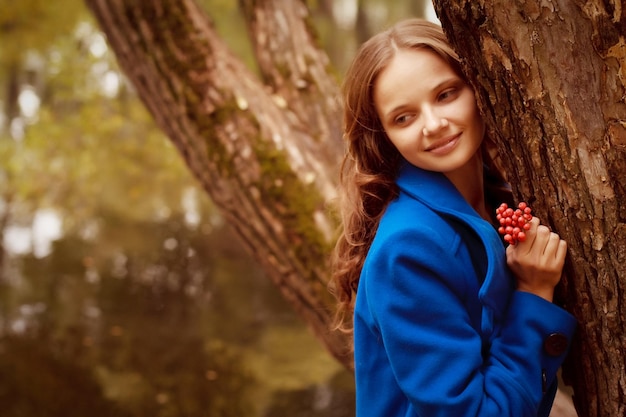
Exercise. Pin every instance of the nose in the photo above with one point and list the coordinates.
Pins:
(432, 122)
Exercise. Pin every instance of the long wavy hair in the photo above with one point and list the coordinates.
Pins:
(371, 162)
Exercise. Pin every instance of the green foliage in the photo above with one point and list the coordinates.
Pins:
(29, 25)
(81, 155)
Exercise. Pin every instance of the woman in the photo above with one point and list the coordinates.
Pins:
(446, 321)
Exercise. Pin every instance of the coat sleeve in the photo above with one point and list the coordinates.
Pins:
(424, 311)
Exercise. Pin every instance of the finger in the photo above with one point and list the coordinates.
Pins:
(530, 234)
(540, 240)
(561, 251)
(534, 222)
(552, 245)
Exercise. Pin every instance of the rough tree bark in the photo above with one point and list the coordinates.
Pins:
(265, 151)
(551, 80)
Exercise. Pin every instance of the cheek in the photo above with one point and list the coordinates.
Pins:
(474, 118)
(404, 140)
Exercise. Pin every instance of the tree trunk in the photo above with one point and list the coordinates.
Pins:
(266, 152)
(551, 81)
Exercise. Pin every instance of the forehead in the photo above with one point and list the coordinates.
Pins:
(411, 72)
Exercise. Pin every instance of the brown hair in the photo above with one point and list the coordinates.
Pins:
(370, 166)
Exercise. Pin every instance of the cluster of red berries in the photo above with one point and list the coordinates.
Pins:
(514, 223)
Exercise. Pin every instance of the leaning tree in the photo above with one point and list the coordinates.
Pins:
(550, 77)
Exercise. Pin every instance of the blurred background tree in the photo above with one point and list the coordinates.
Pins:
(123, 292)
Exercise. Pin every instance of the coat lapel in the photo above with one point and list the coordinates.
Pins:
(435, 191)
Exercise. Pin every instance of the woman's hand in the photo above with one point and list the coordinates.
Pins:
(537, 263)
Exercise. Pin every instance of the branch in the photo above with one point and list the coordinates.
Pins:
(295, 67)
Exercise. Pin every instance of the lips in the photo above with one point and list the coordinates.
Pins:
(444, 145)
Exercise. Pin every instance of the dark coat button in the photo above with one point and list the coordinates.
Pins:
(556, 344)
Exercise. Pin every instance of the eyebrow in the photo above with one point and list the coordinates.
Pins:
(435, 88)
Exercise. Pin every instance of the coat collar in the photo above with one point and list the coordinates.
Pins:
(434, 189)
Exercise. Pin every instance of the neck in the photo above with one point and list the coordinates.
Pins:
(470, 183)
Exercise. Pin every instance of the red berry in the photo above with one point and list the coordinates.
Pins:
(514, 223)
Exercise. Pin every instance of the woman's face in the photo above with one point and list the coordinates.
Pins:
(428, 112)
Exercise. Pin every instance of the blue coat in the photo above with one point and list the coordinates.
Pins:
(439, 329)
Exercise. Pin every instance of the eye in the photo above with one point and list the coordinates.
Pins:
(448, 94)
(403, 119)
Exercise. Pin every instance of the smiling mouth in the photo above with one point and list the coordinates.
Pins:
(443, 145)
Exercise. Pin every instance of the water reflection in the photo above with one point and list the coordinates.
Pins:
(156, 319)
